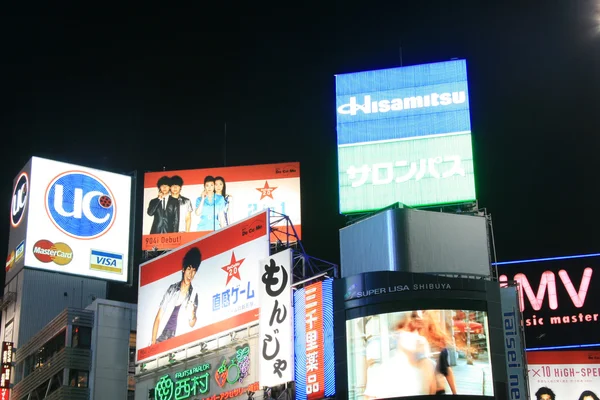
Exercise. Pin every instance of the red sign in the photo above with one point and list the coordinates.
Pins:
(315, 360)
(7, 360)
(4, 394)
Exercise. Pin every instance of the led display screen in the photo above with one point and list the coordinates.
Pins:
(205, 288)
(419, 352)
(404, 135)
(557, 295)
(70, 219)
(181, 206)
(313, 341)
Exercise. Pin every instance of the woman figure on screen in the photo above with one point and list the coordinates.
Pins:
(439, 340)
(588, 395)
(221, 189)
(408, 371)
(209, 207)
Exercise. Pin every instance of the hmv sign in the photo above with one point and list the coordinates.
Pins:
(64, 215)
(558, 296)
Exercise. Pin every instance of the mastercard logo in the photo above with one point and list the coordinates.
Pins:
(58, 253)
(10, 261)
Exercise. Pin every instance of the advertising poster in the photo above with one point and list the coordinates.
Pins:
(556, 296)
(202, 289)
(404, 135)
(181, 206)
(420, 352)
(555, 375)
(77, 221)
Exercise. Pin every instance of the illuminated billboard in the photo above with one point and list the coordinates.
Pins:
(202, 289)
(404, 135)
(557, 295)
(564, 374)
(408, 354)
(313, 341)
(181, 206)
(276, 347)
(70, 219)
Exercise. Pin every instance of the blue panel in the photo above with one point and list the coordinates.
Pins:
(300, 344)
(396, 78)
(329, 356)
(404, 127)
(402, 102)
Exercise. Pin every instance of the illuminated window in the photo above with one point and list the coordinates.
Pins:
(82, 337)
(78, 378)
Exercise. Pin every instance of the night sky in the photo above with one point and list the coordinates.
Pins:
(146, 92)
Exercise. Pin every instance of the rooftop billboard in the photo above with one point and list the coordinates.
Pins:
(70, 219)
(202, 289)
(557, 295)
(181, 206)
(404, 135)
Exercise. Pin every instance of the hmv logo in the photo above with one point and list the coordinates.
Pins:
(19, 200)
(548, 284)
(80, 205)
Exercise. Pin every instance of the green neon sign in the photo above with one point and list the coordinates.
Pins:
(416, 172)
(187, 383)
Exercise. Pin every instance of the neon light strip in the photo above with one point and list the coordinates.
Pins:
(403, 139)
(545, 259)
(575, 346)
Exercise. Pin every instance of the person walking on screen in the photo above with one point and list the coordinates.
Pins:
(185, 204)
(164, 208)
(177, 306)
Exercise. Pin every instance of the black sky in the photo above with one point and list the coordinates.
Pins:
(142, 92)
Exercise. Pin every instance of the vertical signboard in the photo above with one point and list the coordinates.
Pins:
(404, 135)
(203, 289)
(18, 222)
(7, 361)
(181, 206)
(559, 375)
(76, 220)
(557, 295)
(313, 340)
(513, 343)
(276, 326)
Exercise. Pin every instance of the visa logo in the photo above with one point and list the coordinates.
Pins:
(105, 261)
(80, 205)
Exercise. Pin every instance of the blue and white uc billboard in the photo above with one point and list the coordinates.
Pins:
(76, 221)
(404, 134)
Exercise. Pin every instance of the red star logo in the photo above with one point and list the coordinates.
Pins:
(266, 191)
(233, 269)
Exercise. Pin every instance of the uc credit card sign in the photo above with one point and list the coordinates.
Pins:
(78, 220)
(404, 134)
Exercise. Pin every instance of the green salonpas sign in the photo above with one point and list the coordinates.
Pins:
(417, 172)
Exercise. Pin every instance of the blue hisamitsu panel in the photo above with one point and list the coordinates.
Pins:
(398, 103)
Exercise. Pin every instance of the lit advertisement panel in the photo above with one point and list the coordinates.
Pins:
(219, 275)
(408, 354)
(18, 222)
(78, 221)
(276, 347)
(193, 203)
(389, 112)
(313, 341)
(557, 295)
(566, 374)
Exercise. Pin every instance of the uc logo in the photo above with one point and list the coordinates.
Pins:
(19, 200)
(80, 205)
